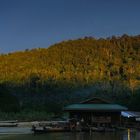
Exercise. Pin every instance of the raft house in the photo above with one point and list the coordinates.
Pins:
(96, 112)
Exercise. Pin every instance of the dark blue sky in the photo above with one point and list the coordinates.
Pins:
(40, 23)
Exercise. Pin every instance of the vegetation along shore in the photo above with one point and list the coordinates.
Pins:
(46, 79)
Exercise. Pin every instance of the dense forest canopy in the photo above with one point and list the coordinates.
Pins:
(72, 68)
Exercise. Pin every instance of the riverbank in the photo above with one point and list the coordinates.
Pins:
(21, 127)
(26, 127)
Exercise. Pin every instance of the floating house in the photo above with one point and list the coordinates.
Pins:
(96, 111)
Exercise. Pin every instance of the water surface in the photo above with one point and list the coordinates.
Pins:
(124, 135)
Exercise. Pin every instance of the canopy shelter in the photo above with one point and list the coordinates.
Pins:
(131, 114)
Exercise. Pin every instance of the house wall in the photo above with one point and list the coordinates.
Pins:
(97, 117)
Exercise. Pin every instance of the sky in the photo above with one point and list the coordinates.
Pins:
(27, 24)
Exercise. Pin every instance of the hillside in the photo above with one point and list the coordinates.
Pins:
(111, 65)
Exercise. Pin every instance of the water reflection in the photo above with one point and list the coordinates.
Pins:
(131, 135)
(126, 135)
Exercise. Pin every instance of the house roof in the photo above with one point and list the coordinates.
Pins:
(95, 100)
(95, 107)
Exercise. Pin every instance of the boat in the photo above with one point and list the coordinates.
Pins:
(8, 125)
(41, 130)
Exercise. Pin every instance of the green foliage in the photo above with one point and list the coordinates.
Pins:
(84, 61)
(26, 115)
(54, 76)
(8, 102)
(134, 103)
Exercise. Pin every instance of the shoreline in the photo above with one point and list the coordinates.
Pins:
(21, 128)
(26, 127)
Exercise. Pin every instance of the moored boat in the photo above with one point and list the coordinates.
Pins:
(40, 130)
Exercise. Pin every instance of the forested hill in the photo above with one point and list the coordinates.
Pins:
(75, 63)
(82, 61)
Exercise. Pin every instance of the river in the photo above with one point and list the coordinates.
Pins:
(124, 135)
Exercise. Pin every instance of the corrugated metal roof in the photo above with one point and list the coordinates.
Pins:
(130, 114)
(95, 107)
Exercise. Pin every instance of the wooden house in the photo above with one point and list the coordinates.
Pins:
(96, 111)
